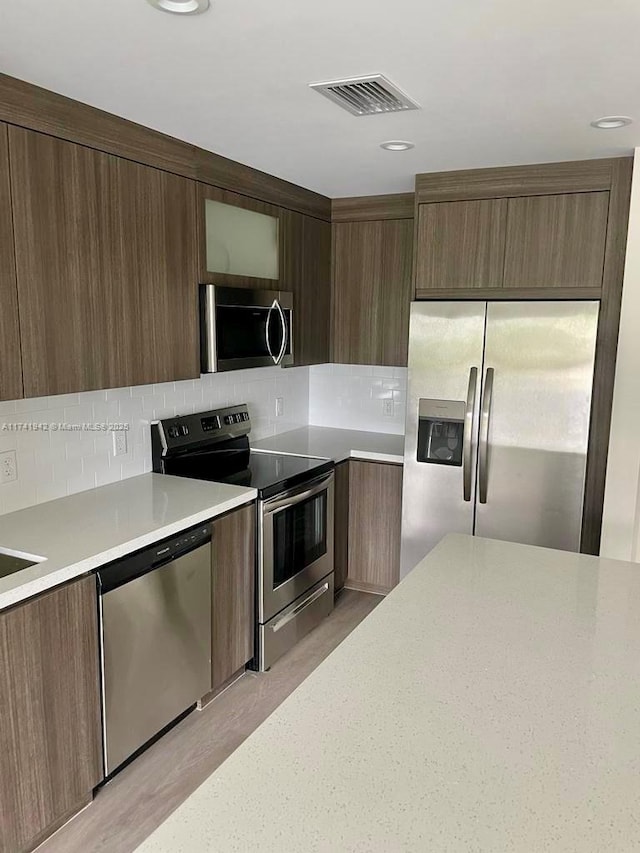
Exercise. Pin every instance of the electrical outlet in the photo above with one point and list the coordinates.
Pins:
(279, 407)
(8, 467)
(387, 408)
(120, 442)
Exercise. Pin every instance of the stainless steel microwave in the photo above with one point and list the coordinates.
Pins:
(242, 328)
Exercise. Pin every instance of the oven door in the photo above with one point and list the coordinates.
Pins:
(296, 547)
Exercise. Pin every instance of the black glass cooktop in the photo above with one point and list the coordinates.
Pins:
(269, 473)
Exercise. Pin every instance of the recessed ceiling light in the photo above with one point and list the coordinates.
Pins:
(396, 145)
(181, 7)
(611, 122)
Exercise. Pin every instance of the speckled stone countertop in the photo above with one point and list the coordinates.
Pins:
(490, 703)
(76, 534)
(336, 444)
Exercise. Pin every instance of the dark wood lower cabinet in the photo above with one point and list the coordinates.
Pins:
(341, 532)
(233, 591)
(368, 516)
(50, 731)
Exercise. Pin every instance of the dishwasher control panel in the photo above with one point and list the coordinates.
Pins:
(185, 542)
(140, 562)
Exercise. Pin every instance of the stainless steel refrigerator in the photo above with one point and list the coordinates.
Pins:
(498, 407)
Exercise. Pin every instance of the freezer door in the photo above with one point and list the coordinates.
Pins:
(443, 398)
(536, 403)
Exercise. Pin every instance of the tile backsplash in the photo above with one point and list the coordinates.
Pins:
(51, 464)
(353, 396)
(54, 463)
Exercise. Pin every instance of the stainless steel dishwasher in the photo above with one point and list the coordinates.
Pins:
(155, 617)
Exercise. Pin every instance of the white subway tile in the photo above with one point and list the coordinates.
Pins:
(61, 401)
(52, 464)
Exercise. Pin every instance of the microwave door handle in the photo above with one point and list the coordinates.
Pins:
(283, 321)
(266, 331)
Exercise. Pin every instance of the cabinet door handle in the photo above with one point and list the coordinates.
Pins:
(483, 449)
(467, 440)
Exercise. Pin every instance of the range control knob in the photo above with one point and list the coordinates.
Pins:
(173, 432)
(184, 430)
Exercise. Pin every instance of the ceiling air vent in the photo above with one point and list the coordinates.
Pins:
(366, 96)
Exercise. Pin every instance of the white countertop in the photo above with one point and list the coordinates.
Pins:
(490, 703)
(84, 531)
(336, 444)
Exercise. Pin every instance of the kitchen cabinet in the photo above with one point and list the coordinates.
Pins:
(461, 244)
(556, 240)
(306, 271)
(238, 240)
(521, 232)
(106, 268)
(10, 360)
(341, 531)
(233, 593)
(375, 512)
(50, 732)
(371, 291)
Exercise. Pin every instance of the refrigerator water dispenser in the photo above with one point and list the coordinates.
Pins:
(440, 431)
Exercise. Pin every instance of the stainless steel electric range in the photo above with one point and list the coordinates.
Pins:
(295, 517)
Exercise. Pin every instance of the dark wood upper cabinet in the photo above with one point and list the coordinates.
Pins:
(306, 271)
(10, 359)
(460, 244)
(556, 240)
(516, 231)
(106, 268)
(371, 291)
(233, 593)
(220, 254)
(50, 734)
(395, 291)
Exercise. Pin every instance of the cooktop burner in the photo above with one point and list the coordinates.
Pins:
(215, 446)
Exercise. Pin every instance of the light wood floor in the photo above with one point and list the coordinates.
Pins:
(142, 796)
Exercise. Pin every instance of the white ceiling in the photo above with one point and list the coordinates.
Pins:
(500, 81)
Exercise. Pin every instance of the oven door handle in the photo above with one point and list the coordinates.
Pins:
(280, 504)
(267, 325)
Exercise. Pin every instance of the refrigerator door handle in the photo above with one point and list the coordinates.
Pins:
(483, 449)
(467, 441)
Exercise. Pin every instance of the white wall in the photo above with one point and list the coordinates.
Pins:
(351, 397)
(54, 464)
(621, 517)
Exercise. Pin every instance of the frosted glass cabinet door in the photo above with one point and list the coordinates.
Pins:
(240, 241)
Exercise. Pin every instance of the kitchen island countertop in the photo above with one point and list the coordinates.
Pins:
(489, 703)
(336, 444)
(84, 531)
